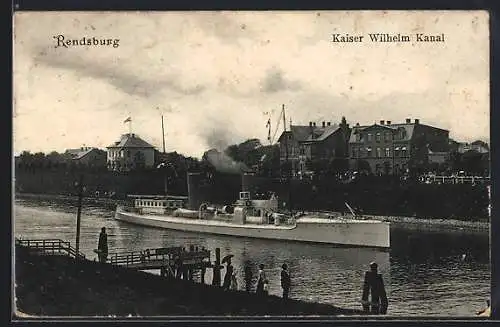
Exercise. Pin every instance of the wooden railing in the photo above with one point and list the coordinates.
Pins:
(157, 257)
(455, 179)
(50, 247)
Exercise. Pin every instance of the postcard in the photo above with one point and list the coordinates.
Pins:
(246, 164)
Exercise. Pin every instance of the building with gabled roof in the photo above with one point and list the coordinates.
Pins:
(130, 152)
(304, 144)
(387, 148)
(87, 156)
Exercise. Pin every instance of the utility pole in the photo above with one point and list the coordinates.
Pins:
(163, 133)
(78, 215)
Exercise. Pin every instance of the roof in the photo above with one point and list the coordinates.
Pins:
(77, 154)
(303, 133)
(130, 141)
(407, 127)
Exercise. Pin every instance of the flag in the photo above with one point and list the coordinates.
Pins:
(127, 120)
(268, 123)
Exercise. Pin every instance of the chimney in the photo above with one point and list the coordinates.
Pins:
(417, 121)
(324, 124)
(357, 124)
(328, 124)
(314, 124)
(310, 124)
(408, 120)
(382, 122)
(388, 122)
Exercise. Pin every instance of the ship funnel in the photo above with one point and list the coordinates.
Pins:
(194, 193)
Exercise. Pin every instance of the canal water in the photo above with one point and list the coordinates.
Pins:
(445, 273)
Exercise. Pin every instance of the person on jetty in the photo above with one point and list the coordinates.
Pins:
(374, 285)
(102, 246)
(234, 282)
(285, 281)
(227, 277)
(262, 282)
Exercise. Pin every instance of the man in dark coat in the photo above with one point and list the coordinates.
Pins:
(374, 285)
(102, 246)
(227, 277)
(285, 281)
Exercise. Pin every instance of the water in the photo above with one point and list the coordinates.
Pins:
(424, 273)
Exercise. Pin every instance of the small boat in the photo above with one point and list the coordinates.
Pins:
(254, 219)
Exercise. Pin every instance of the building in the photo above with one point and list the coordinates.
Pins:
(476, 146)
(87, 156)
(388, 148)
(302, 145)
(130, 152)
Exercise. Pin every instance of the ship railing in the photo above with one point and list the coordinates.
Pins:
(49, 247)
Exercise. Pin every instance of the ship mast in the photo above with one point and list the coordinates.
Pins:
(287, 170)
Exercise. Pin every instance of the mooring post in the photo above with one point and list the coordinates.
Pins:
(78, 215)
(216, 278)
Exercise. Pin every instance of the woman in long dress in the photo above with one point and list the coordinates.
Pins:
(234, 282)
(262, 281)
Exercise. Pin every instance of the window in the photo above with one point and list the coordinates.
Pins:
(379, 152)
(354, 152)
(377, 137)
(358, 137)
(368, 152)
(396, 151)
(128, 153)
(387, 152)
(369, 137)
(404, 153)
(387, 136)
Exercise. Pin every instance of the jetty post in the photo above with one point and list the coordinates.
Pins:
(216, 277)
(79, 214)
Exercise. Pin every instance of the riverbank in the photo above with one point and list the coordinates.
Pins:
(56, 286)
(396, 221)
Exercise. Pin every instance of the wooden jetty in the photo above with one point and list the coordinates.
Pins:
(171, 261)
(49, 247)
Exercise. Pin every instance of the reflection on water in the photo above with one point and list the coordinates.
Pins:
(425, 273)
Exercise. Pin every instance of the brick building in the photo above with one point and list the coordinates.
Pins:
(304, 144)
(388, 148)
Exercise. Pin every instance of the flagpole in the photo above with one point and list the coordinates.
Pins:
(130, 127)
(163, 133)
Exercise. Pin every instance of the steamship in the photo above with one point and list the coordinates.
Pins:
(253, 218)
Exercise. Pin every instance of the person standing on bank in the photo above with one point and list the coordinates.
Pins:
(262, 282)
(374, 286)
(102, 246)
(285, 281)
(227, 277)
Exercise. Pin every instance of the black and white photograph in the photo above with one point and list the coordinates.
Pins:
(251, 164)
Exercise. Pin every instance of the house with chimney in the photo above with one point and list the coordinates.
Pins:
(393, 148)
(86, 156)
(303, 144)
(129, 153)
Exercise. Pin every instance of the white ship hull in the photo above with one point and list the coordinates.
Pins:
(346, 232)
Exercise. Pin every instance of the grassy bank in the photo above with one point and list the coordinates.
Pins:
(56, 286)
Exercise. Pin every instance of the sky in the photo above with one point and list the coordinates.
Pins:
(217, 77)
